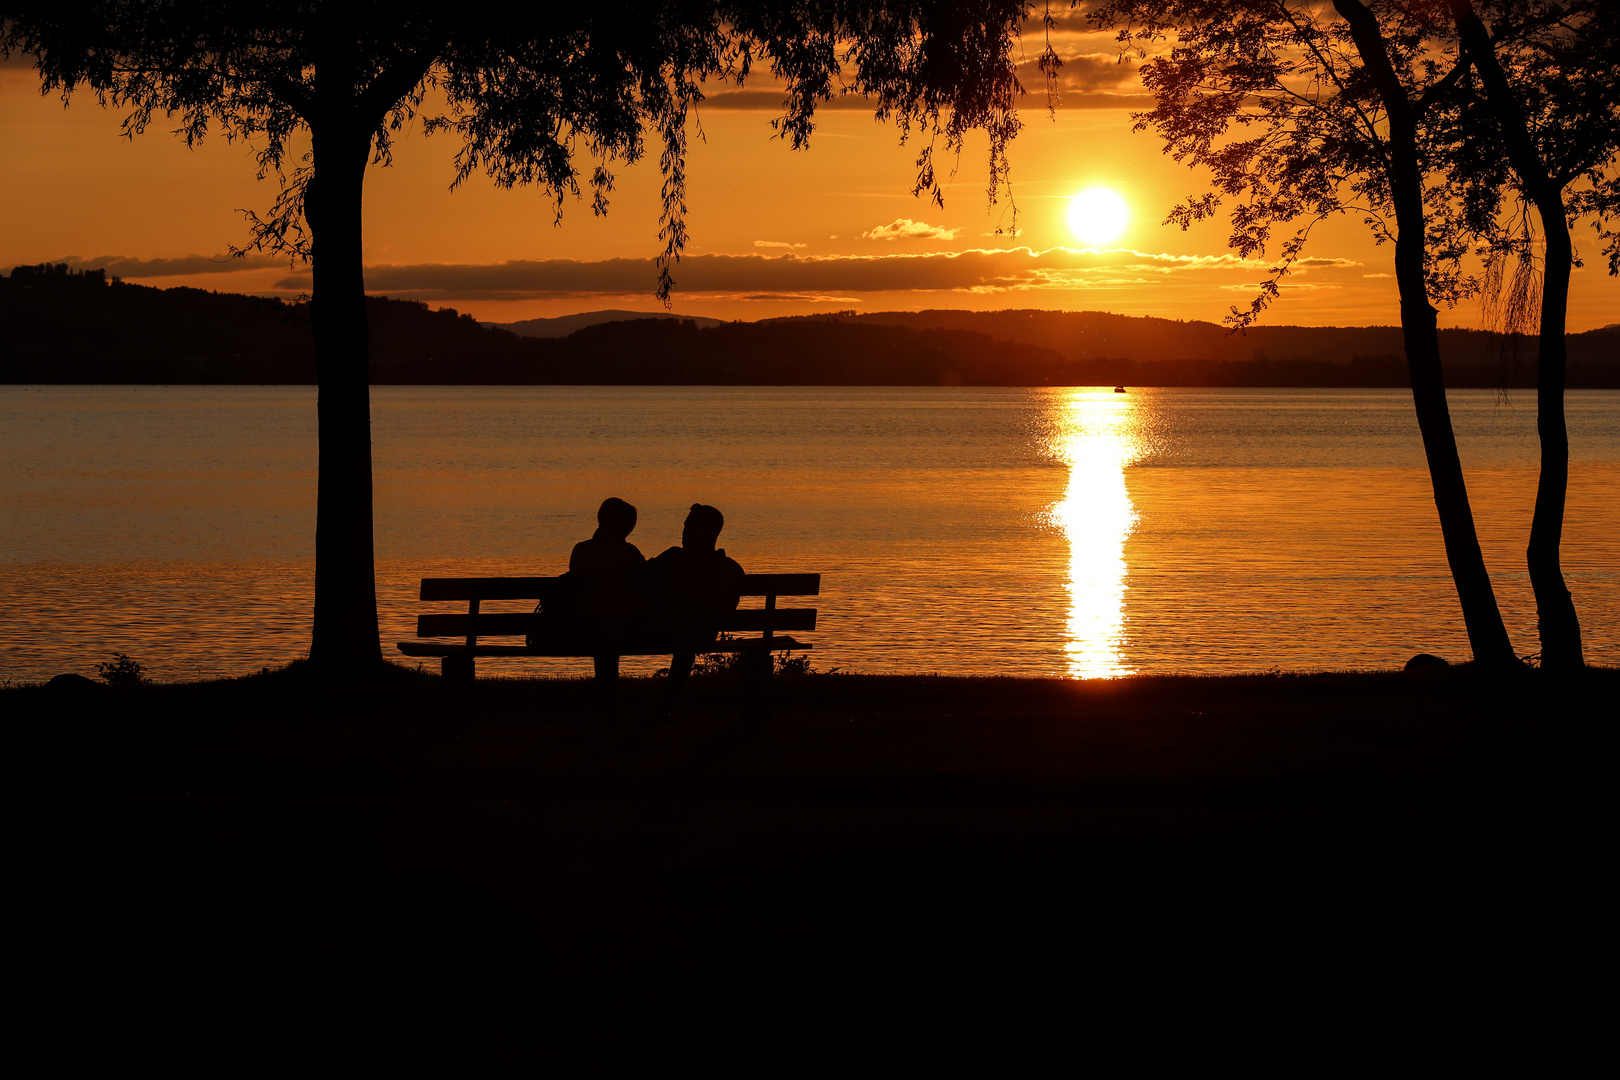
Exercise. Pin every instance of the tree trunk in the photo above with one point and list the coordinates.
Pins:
(1487, 636)
(345, 633)
(1560, 627)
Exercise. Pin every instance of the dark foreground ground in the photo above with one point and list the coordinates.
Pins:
(893, 877)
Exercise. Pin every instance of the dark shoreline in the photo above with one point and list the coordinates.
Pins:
(894, 876)
(68, 328)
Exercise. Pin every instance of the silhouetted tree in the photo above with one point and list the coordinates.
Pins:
(1538, 115)
(1338, 97)
(528, 89)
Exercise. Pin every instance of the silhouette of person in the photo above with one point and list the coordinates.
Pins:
(696, 585)
(606, 583)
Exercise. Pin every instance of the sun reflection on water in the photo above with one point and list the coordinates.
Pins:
(1095, 437)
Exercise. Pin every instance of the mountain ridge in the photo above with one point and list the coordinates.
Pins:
(563, 325)
(79, 327)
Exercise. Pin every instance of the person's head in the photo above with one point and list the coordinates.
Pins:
(703, 525)
(616, 518)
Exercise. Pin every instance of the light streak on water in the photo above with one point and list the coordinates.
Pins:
(1097, 517)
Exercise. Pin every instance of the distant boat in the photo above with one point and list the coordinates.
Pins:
(1119, 389)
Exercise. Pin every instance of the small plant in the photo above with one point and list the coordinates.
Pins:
(716, 663)
(726, 663)
(788, 664)
(121, 671)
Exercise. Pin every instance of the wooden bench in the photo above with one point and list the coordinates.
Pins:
(458, 659)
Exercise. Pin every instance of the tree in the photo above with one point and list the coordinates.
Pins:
(527, 90)
(1541, 99)
(1341, 108)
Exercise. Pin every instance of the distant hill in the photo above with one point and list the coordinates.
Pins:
(564, 325)
(67, 327)
(1084, 336)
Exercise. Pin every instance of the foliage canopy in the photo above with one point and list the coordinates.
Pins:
(1276, 99)
(530, 93)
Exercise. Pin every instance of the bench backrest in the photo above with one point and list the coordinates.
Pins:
(473, 624)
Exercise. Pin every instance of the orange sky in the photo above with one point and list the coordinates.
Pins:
(773, 231)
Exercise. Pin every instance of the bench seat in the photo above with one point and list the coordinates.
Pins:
(434, 648)
(459, 657)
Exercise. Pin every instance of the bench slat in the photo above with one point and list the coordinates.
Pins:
(781, 585)
(536, 588)
(521, 622)
(430, 648)
(782, 618)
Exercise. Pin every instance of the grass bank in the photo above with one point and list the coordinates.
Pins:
(893, 876)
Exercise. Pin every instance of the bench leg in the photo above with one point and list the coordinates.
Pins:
(754, 669)
(680, 668)
(457, 668)
(606, 684)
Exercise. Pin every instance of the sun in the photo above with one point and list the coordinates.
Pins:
(1098, 215)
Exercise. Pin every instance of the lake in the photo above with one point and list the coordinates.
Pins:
(1072, 532)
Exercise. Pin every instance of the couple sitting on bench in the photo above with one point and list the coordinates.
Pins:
(680, 597)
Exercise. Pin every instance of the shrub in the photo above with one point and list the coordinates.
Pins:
(725, 663)
(788, 664)
(122, 671)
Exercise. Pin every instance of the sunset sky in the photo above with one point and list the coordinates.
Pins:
(773, 231)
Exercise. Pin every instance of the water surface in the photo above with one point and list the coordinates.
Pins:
(969, 530)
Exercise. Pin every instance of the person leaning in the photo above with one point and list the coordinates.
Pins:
(604, 590)
(695, 587)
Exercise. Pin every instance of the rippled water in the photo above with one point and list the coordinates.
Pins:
(989, 531)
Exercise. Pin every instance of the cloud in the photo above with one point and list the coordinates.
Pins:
(1302, 286)
(1074, 23)
(905, 228)
(124, 267)
(774, 101)
(977, 270)
(779, 244)
(1328, 262)
(1091, 100)
(1085, 73)
(1377, 275)
(1092, 77)
(789, 297)
(1087, 81)
(1071, 95)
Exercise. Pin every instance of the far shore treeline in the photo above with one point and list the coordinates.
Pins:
(65, 327)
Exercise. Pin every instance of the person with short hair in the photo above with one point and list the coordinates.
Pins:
(697, 585)
(605, 587)
(607, 564)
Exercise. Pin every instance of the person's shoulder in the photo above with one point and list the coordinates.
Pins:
(669, 555)
(630, 552)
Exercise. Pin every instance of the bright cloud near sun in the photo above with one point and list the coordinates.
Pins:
(906, 229)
